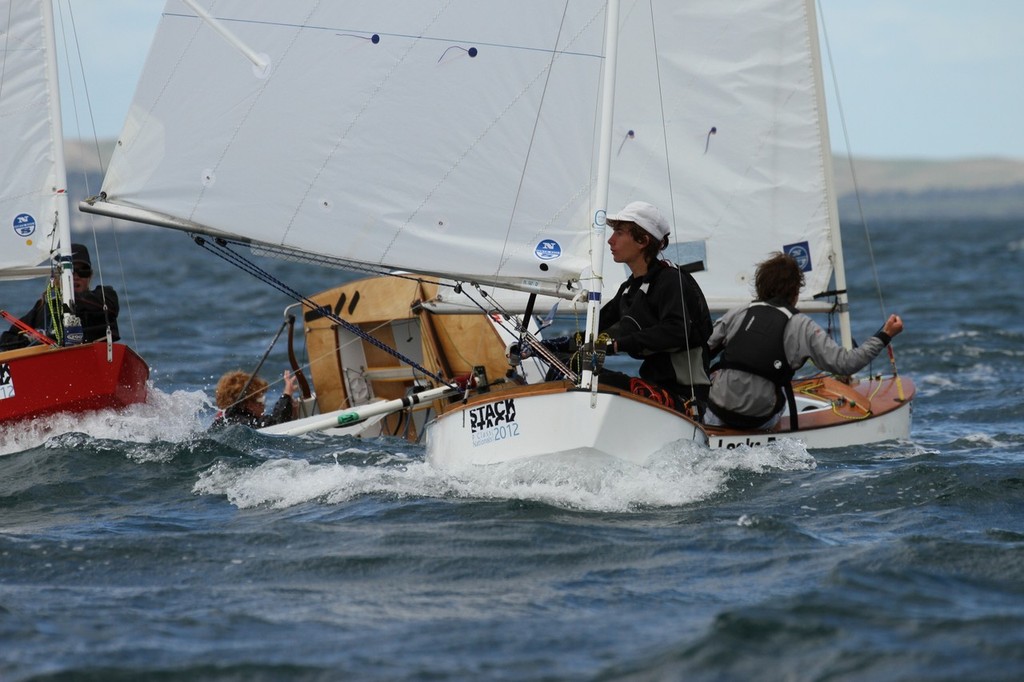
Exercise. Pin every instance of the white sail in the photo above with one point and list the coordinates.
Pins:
(32, 179)
(460, 138)
(729, 136)
(400, 134)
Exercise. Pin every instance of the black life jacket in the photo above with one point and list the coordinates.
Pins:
(758, 347)
(636, 311)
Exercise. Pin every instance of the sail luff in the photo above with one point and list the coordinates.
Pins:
(600, 210)
(838, 264)
(62, 217)
(29, 137)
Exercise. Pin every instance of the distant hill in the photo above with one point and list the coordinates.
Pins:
(905, 189)
(925, 189)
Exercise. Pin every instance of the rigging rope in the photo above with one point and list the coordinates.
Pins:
(856, 192)
(220, 248)
(522, 330)
(54, 308)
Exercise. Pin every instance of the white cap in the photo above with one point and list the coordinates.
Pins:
(643, 214)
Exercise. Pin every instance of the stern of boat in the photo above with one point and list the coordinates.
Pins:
(835, 414)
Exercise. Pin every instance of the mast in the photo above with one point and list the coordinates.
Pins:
(597, 231)
(60, 203)
(835, 240)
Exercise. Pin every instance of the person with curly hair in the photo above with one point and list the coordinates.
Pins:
(242, 397)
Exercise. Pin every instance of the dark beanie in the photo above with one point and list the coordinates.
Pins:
(80, 254)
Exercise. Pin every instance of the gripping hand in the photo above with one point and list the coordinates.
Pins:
(591, 355)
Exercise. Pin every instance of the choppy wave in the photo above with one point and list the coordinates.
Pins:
(164, 416)
(682, 474)
(141, 545)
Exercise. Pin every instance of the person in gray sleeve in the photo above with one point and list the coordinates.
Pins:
(764, 343)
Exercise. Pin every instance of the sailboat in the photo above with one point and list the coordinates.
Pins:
(483, 144)
(62, 375)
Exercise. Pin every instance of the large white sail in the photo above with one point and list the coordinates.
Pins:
(460, 137)
(412, 135)
(31, 173)
(729, 135)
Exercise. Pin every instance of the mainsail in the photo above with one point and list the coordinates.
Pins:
(32, 177)
(460, 137)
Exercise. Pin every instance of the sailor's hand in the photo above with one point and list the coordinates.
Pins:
(893, 326)
(517, 352)
(589, 357)
(606, 344)
(290, 383)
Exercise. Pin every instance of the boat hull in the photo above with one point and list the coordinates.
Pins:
(40, 380)
(834, 414)
(349, 372)
(554, 419)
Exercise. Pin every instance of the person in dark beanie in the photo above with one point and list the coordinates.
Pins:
(97, 308)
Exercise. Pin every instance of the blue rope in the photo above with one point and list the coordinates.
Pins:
(223, 251)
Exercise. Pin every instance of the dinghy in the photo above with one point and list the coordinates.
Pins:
(61, 374)
(483, 144)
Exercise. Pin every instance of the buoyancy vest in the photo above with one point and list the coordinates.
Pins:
(759, 348)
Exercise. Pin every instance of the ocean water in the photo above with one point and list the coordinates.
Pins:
(140, 546)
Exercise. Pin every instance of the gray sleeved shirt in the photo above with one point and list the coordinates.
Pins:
(804, 339)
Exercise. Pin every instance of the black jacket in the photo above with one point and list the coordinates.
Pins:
(281, 413)
(88, 307)
(662, 319)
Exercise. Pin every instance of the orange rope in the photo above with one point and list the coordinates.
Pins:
(896, 375)
(26, 329)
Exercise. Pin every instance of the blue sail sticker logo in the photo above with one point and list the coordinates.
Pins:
(548, 249)
(24, 225)
(801, 253)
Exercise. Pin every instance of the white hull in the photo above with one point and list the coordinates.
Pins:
(507, 426)
(836, 416)
(892, 426)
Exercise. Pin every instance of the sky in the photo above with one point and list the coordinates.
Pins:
(923, 79)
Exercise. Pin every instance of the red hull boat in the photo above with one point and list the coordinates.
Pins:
(43, 380)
